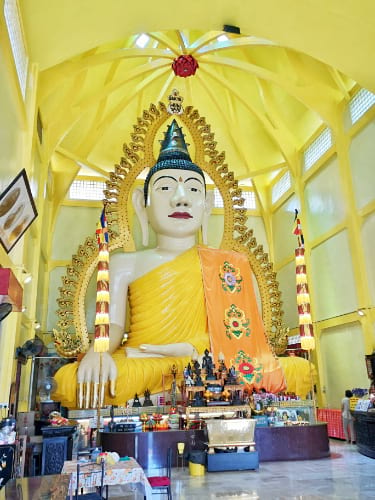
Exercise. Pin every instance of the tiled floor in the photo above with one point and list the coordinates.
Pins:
(347, 475)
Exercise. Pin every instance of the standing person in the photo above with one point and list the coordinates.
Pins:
(347, 419)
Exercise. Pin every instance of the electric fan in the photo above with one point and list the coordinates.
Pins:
(30, 349)
(45, 387)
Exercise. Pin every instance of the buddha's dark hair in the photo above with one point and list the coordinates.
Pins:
(176, 163)
(173, 154)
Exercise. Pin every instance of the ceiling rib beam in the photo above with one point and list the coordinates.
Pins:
(85, 103)
(57, 76)
(339, 82)
(229, 127)
(204, 40)
(86, 144)
(112, 115)
(167, 41)
(305, 93)
(65, 122)
(248, 41)
(167, 84)
(78, 159)
(183, 42)
(269, 129)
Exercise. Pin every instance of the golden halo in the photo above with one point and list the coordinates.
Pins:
(72, 336)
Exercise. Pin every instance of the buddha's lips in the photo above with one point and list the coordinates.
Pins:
(180, 215)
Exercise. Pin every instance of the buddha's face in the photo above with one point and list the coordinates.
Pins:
(176, 202)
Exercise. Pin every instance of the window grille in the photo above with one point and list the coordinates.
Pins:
(360, 103)
(142, 41)
(86, 190)
(317, 149)
(249, 197)
(17, 42)
(250, 201)
(218, 200)
(280, 187)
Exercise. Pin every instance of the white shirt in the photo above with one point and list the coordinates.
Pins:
(345, 405)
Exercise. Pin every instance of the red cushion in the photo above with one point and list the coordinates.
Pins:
(157, 481)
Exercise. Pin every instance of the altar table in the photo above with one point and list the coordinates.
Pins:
(127, 472)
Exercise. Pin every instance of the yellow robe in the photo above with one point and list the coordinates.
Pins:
(300, 375)
(166, 306)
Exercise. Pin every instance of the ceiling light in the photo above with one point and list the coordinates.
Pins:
(36, 325)
(222, 38)
(361, 312)
(142, 41)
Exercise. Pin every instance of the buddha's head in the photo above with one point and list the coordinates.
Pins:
(174, 199)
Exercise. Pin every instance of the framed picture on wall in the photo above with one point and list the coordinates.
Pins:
(17, 211)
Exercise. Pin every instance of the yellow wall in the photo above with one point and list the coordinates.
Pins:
(336, 198)
(19, 151)
(338, 223)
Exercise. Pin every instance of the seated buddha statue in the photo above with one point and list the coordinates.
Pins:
(164, 287)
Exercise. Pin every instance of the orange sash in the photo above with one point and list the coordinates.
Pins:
(235, 326)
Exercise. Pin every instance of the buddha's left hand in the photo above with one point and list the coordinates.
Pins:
(172, 350)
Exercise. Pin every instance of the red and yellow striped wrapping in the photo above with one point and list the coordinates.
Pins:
(101, 342)
(303, 302)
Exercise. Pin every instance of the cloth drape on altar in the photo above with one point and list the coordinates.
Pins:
(235, 325)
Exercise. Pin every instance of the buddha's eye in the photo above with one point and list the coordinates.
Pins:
(194, 190)
(165, 188)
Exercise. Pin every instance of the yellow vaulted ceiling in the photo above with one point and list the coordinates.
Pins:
(264, 92)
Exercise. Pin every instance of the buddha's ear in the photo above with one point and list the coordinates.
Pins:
(206, 214)
(140, 209)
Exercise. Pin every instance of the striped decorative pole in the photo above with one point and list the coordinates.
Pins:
(101, 342)
(303, 297)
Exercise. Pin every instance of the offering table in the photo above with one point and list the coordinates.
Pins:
(272, 443)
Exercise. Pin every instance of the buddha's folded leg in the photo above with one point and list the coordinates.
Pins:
(66, 391)
(135, 375)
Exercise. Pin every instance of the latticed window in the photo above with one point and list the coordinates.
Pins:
(86, 190)
(317, 149)
(17, 42)
(250, 200)
(280, 187)
(218, 200)
(249, 197)
(142, 41)
(360, 103)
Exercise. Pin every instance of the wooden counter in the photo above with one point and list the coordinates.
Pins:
(292, 442)
(149, 448)
(273, 443)
(364, 426)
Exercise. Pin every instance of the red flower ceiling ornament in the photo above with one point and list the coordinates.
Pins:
(185, 66)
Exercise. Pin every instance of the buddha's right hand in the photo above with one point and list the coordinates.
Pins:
(94, 372)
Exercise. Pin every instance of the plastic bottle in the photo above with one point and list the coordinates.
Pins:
(95, 454)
